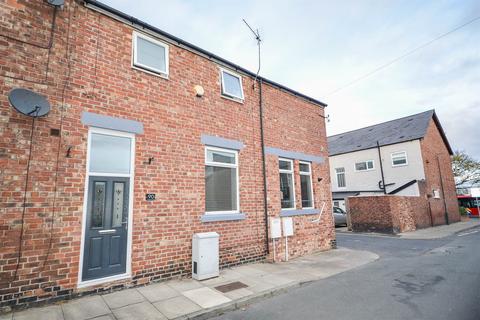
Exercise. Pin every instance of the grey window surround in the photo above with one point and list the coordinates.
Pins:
(294, 155)
(108, 122)
(213, 217)
(298, 212)
(219, 142)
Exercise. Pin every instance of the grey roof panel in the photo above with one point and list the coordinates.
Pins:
(399, 130)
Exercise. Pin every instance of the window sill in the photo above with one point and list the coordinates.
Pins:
(153, 73)
(237, 100)
(299, 212)
(213, 217)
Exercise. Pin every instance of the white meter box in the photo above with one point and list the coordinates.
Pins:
(205, 256)
(287, 227)
(275, 228)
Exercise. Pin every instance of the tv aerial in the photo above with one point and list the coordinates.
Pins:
(29, 103)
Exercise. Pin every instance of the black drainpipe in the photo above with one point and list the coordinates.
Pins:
(264, 169)
(381, 169)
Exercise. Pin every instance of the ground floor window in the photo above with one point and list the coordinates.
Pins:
(306, 184)
(221, 180)
(287, 185)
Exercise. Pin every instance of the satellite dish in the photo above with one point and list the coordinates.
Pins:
(28, 102)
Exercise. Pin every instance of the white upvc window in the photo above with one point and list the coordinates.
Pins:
(287, 184)
(306, 185)
(221, 181)
(399, 159)
(231, 85)
(364, 165)
(150, 54)
(341, 181)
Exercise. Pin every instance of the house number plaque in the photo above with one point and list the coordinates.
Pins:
(150, 196)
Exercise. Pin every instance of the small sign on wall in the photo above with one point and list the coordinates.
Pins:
(150, 196)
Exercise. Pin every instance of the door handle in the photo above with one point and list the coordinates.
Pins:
(107, 231)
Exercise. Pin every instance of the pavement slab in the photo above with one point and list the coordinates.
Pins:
(176, 307)
(206, 297)
(184, 284)
(85, 308)
(46, 313)
(139, 311)
(123, 298)
(158, 292)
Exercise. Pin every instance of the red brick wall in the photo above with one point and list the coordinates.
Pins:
(391, 214)
(438, 166)
(90, 70)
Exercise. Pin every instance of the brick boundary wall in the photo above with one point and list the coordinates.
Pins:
(387, 214)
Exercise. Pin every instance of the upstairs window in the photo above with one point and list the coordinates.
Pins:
(287, 186)
(150, 54)
(221, 180)
(399, 159)
(306, 185)
(364, 165)
(232, 85)
(340, 177)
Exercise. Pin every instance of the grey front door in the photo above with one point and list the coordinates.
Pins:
(105, 250)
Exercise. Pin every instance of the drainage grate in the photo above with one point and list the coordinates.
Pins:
(231, 286)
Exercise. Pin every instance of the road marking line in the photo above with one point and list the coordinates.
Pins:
(466, 234)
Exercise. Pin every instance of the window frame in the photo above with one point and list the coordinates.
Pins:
(224, 165)
(366, 165)
(222, 89)
(292, 172)
(139, 66)
(344, 177)
(392, 156)
(309, 173)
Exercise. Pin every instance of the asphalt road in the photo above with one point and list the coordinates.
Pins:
(413, 279)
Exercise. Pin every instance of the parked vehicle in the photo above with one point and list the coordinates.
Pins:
(469, 203)
(339, 216)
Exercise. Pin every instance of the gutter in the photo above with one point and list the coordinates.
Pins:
(145, 27)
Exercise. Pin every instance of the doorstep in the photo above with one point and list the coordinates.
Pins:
(191, 299)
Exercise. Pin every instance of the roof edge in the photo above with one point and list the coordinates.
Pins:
(373, 125)
(134, 21)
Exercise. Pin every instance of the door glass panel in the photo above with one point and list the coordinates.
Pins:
(118, 195)
(109, 154)
(98, 204)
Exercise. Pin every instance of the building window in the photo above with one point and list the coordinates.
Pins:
(232, 85)
(336, 203)
(399, 159)
(340, 177)
(110, 154)
(364, 165)
(287, 185)
(221, 180)
(306, 184)
(150, 54)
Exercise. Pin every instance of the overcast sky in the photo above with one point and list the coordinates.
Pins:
(316, 47)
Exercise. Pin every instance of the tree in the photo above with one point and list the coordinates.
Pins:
(465, 169)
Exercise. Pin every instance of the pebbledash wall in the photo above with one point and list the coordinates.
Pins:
(87, 73)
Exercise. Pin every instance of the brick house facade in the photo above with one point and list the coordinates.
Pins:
(83, 66)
